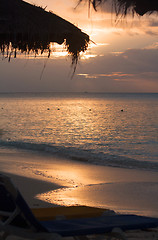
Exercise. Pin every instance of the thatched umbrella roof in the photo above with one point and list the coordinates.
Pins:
(124, 6)
(26, 27)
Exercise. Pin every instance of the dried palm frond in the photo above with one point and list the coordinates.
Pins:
(124, 6)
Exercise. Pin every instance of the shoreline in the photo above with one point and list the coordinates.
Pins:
(56, 181)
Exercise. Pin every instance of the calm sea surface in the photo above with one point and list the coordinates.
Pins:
(105, 129)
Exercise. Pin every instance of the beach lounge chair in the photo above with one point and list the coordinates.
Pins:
(16, 218)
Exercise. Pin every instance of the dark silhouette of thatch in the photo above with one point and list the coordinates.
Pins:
(26, 27)
(124, 6)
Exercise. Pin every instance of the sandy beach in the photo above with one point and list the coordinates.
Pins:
(46, 181)
(56, 181)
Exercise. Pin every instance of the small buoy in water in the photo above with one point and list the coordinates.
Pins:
(121, 110)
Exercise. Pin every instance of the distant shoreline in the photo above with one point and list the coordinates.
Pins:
(84, 92)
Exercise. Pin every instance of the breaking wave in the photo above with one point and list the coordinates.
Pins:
(88, 155)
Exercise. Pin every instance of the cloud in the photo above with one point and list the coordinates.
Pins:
(153, 46)
(117, 76)
(153, 22)
(132, 70)
(152, 32)
(130, 61)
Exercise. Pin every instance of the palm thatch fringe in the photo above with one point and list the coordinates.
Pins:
(25, 27)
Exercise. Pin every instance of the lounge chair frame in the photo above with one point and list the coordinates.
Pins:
(16, 218)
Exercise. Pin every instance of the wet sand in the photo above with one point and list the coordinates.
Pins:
(50, 181)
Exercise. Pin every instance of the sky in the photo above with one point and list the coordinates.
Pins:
(123, 55)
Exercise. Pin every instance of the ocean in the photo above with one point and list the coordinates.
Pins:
(106, 129)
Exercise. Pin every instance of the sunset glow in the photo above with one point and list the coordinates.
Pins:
(79, 118)
(118, 45)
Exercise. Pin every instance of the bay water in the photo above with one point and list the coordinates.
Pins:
(110, 129)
